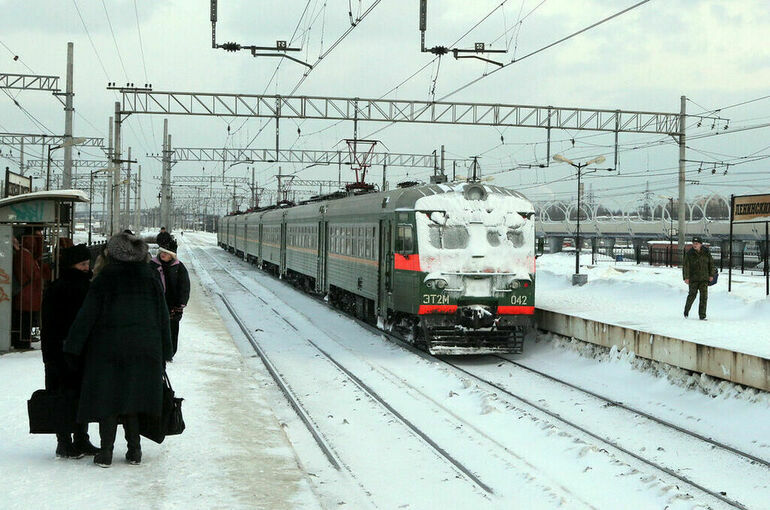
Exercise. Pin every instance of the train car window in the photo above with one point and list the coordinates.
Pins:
(353, 246)
(493, 237)
(368, 253)
(516, 237)
(453, 237)
(404, 239)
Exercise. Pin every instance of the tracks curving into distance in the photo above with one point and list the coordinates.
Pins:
(371, 393)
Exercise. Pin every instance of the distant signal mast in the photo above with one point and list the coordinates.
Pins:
(280, 49)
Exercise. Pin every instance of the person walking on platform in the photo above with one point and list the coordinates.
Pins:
(61, 302)
(176, 284)
(163, 237)
(122, 333)
(697, 271)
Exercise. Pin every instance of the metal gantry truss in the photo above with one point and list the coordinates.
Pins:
(80, 163)
(398, 110)
(16, 139)
(29, 81)
(302, 157)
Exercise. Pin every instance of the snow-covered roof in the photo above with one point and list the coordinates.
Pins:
(62, 195)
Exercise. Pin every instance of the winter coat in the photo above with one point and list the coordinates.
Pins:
(61, 302)
(30, 279)
(175, 281)
(122, 333)
(698, 266)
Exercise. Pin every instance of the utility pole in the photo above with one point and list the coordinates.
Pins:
(111, 166)
(165, 178)
(138, 202)
(128, 191)
(115, 223)
(21, 157)
(682, 157)
(253, 189)
(68, 109)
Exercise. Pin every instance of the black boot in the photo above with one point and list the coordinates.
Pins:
(103, 458)
(81, 441)
(131, 429)
(107, 429)
(65, 449)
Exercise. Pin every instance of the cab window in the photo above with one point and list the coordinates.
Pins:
(405, 239)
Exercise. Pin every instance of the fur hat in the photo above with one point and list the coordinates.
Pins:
(697, 239)
(68, 257)
(169, 247)
(127, 248)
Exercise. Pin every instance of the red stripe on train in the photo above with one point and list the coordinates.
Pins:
(426, 309)
(516, 310)
(407, 262)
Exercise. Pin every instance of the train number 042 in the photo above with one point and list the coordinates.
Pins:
(519, 300)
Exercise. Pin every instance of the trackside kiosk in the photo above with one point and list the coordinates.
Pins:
(43, 218)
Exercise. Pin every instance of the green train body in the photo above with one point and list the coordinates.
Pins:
(453, 265)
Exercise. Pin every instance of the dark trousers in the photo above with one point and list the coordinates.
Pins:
(108, 428)
(695, 288)
(57, 378)
(174, 323)
(21, 326)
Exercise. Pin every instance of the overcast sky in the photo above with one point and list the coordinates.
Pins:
(714, 52)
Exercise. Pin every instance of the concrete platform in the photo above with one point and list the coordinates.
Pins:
(738, 367)
(233, 454)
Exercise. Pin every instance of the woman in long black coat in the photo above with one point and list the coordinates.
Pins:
(122, 333)
(61, 303)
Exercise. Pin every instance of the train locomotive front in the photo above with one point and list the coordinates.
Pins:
(476, 260)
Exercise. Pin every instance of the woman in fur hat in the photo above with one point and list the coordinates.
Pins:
(122, 333)
(61, 302)
(176, 284)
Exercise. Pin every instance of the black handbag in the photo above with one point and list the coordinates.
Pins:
(46, 410)
(170, 422)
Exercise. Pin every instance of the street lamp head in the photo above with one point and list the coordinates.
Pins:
(559, 157)
(596, 160)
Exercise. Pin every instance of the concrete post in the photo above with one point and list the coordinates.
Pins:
(68, 109)
(682, 156)
(115, 223)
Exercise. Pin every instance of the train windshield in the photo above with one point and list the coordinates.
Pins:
(495, 235)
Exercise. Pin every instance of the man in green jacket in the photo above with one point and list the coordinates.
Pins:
(697, 271)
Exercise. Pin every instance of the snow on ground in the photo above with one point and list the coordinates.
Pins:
(652, 299)
(245, 448)
(233, 454)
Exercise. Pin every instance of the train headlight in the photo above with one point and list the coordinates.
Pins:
(436, 283)
(514, 284)
(475, 192)
(440, 284)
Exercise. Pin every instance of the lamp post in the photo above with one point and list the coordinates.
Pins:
(579, 166)
(66, 143)
(670, 257)
(91, 202)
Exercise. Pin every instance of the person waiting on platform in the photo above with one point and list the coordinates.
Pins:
(163, 237)
(61, 303)
(27, 299)
(176, 284)
(697, 271)
(122, 333)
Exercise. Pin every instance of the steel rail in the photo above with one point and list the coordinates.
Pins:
(617, 403)
(367, 389)
(283, 385)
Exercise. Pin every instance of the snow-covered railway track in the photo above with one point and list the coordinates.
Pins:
(311, 422)
(514, 440)
(635, 411)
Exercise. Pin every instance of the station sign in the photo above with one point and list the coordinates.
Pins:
(16, 184)
(751, 208)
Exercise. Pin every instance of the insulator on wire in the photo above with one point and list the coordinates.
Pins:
(231, 46)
